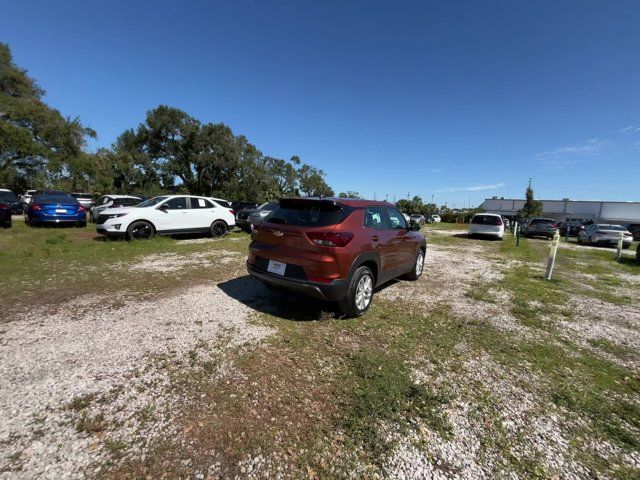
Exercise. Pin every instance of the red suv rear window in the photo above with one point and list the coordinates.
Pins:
(306, 213)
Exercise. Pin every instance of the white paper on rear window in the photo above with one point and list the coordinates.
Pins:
(201, 203)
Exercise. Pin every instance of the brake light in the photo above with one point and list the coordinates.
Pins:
(251, 258)
(233, 212)
(330, 239)
(36, 207)
(82, 209)
(4, 205)
(554, 225)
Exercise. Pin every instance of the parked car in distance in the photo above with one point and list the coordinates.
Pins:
(417, 218)
(634, 228)
(112, 201)
(26, 197)
(540, 227)
(166, 215)
(573, 227)
(55, 209)
(605, 234)
(87, 200)
(506, 222)
(335, 249)
(245, 218)
(5, 214)
(486, 225)
(436, 218)
(237, 206)
(9, 198)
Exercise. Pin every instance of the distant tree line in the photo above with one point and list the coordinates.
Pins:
(169, 152)
(416, 205)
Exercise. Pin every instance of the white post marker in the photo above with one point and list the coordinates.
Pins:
(619, 252)
(552, 254)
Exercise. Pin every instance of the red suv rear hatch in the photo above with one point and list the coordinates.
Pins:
(304, 234)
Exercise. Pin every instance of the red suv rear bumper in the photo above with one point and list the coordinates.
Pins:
(332, 292)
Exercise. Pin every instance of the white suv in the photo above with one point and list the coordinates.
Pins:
(166, 214)
(486, 224)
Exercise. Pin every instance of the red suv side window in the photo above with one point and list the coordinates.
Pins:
(397, 219)
(376, 217)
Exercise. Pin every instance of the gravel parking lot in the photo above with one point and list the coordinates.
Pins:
(189, 368)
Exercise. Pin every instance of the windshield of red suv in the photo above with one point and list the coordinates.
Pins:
(306, 213)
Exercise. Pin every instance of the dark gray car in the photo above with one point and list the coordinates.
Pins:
(540, 227)
(244, 218)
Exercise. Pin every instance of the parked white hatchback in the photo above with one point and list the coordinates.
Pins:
(487, 224)
(166, 215)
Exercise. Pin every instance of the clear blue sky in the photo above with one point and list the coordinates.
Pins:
(460, 100)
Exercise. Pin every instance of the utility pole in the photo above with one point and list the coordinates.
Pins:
(529, 183)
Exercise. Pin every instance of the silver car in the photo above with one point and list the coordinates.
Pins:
(85, 199)
(605, 234)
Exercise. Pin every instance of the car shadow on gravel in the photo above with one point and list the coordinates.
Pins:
(279, 303)
(284, 304)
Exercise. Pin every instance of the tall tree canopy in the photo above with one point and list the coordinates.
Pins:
(36, 142)
(178, 151)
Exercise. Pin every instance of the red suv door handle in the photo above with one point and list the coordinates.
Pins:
(375, 238)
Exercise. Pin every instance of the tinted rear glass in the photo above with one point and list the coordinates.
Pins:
(486, 220)
(616, 228)
(44, 199)
(306, 214)
(81, 195)
(8, 196)
(223, 203)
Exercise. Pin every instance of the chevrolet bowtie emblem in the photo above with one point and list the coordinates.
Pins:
(277, 233)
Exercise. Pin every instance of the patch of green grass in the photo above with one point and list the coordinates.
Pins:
(383, 392)
(146, 415)
(45, 263)
(534, 299)
(91, 424)
(610, 347)
(116, 447)
(590, 387)
(81, 402)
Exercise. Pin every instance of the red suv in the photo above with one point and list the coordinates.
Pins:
(335, 249)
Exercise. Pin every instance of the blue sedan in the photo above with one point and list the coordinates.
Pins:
(55, 209)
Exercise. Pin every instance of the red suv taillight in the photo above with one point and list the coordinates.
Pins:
(82, 209)
(330, 239)
(233, 212)
(554, 225)
(36, 207)
(4, 205)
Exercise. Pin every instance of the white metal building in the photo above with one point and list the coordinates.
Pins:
(562, 210)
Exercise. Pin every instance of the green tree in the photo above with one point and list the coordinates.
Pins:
(349, 194)
(311, 182)
(37, 144)
(531, 208)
